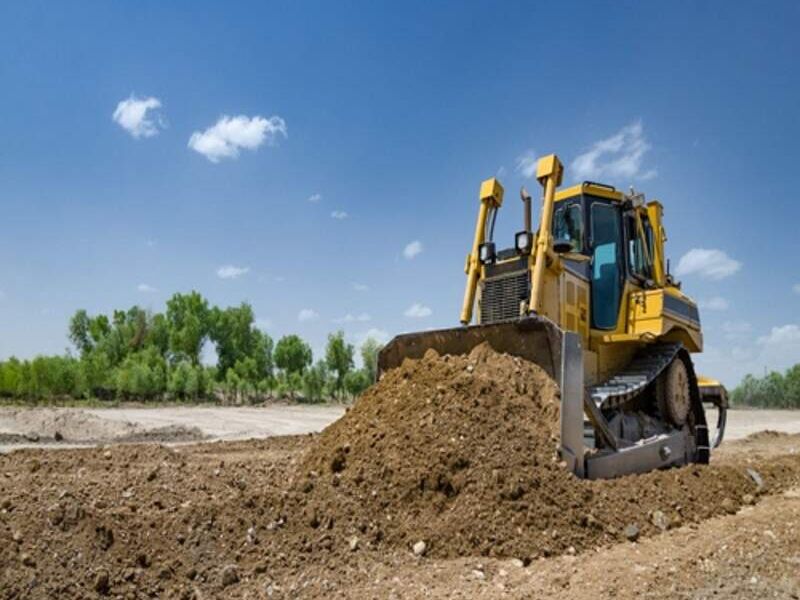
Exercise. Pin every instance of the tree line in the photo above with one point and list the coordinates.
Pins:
(773, 390)
(142, 355)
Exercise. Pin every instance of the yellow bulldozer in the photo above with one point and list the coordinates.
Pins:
(589, 298)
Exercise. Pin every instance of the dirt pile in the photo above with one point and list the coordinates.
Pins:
(459, 452)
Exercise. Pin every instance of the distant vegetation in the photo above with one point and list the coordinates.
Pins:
(774, 390)
(145, 356)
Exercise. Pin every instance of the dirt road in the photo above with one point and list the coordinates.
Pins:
(70, 427)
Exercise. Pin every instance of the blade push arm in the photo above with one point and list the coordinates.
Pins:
(491, 199)
(548, 172)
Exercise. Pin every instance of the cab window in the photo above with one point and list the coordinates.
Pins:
(606, 265)
(568, 224)
(640, 251)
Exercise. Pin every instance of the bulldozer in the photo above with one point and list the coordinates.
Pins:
(589, 297)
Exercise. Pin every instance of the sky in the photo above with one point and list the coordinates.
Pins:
(322, 160)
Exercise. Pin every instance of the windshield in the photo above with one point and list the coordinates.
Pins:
(568, 225)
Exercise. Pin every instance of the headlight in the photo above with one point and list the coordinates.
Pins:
(523, 242)
(486, 253)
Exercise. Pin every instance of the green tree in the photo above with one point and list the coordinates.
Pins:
(237, 339)
(292, 355)
(188, 320)
(79, 332)
(339, 357)
(792, 387)
(369, 357)
(356, 382)
(314, 382)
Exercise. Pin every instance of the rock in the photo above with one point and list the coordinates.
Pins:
(27, 560)
(251, 536)
(728, 506)
(143, 560)
(6, 504)
(230, 575)
(32, 437)
(17, 537)
(631, 532)
(748, 499)
(659, 519)
(757, 479)
(57, 436)
(101, 582)
(152, 475)
(419, 548)
(518, 562)
(107, 454)
(478, 574)
(353, 544)
(470, 368)
(105, 537)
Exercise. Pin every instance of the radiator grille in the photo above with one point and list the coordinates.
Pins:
(502, 295)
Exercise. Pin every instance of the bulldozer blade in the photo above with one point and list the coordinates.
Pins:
(533, 338)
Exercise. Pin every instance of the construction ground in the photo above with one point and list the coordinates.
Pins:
(437, 483)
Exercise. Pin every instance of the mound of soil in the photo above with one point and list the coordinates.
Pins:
(460, 452)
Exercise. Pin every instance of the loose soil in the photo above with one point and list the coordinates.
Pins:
(446, 467)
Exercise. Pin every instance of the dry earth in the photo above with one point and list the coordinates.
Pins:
(437, 484)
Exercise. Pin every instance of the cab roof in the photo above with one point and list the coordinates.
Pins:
(590, 187)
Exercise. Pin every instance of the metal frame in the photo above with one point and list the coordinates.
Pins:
(621, 458)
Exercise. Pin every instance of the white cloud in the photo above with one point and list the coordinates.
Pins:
(379, 335)
(307, 314)
(710, 264)
(736, 329)
(263, 323)
(229, 135)
(146, 289)
(349, 318)
(616, 157)
(360, 287)
(715, 303)
(138, 116)
(796, 288)
(418, 311)
(412, 249)
(781, 336)
(232, 271)
(315, 198)
(339, 215)
(526, 163)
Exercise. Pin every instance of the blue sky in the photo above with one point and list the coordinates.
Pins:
(387, 118)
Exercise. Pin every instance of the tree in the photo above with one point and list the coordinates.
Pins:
(369, 357)
(339, 358)
(292, 355)
(79, 333)
(356, 382)
(237, 339)
(792, 387)
(314, 381)
(188, 320)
